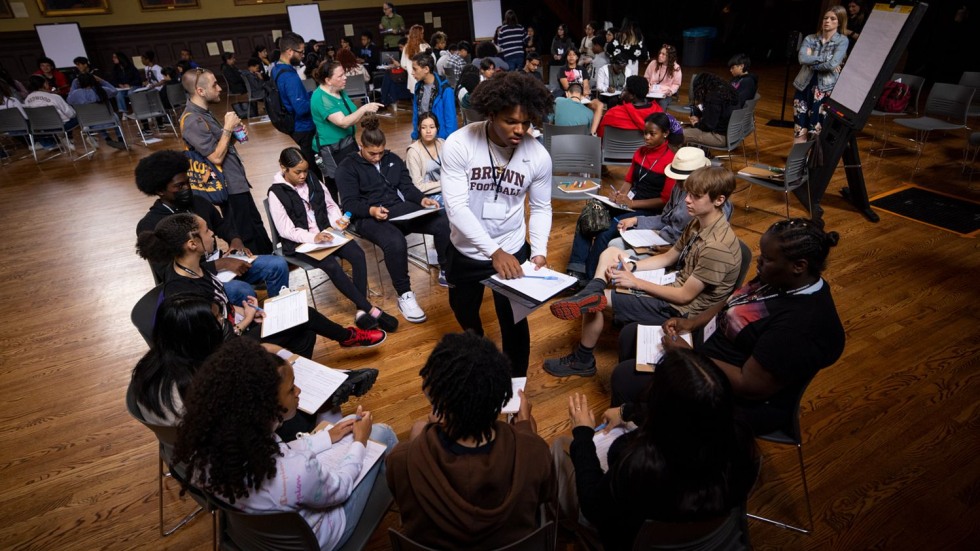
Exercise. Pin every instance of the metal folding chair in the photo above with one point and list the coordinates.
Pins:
(147, 106)
(45, 121)
(94, 117)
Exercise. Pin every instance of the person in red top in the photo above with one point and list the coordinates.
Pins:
(56, 80)
(646, 191)
(633, 112)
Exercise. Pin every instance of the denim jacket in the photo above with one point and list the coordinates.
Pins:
(826, 59)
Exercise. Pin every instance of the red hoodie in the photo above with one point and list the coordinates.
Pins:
(628, 117)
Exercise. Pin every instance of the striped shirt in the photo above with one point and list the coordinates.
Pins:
(714, 257)
(510, 40)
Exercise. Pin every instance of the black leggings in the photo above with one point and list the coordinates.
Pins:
(464, 275)
(354, 287)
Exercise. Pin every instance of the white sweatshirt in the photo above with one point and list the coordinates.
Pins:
(467, 185)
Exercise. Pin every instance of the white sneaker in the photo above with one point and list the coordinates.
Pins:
(410, 308)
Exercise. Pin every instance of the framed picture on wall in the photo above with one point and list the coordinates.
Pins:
(257, 2)
(154, 5)
(58, 8)
(5, 11)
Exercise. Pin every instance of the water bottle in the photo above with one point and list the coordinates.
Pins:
(344, 221)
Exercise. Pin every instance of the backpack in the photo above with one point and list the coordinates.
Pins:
(283, 120)
(206, 178)
(894, 98)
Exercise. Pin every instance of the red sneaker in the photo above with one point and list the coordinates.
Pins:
(364, 337)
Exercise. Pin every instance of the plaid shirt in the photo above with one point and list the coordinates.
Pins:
(455, 64)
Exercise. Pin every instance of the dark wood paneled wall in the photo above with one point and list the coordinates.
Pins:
(21, 49)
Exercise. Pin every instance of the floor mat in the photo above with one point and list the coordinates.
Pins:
(946, 212)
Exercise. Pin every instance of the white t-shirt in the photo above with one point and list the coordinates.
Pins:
(468, 185)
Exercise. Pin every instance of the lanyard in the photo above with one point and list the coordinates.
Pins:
(493, 164)
(643, 161)
(438, 158)
(760, 296)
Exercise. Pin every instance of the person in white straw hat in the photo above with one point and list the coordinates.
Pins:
(670, 223)
(702, 268)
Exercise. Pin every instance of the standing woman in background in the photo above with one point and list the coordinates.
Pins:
(416, 43)
(585, 48)
(509, 38)
(821, 56)
(530, 40)
(631, 45)
(856, 18)
(562, 43)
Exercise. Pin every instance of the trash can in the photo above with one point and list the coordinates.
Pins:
(697, 46)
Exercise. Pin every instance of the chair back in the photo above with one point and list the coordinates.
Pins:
(91, 115)
(743, 269)
(542, 539)
(949, 101)
(166, 435)
(177, 96)
(576, 154)
(972, 80)
(12, 122)
(44, 120)
(309, 84)
(619, 145)
(796, 173)
(472, 115)
(726, 534)
(549, 130)
(789, 420)
(554, 72)
(272, 225)
(356, 87)
(146, 104)
(286, 531)
(751, 103)
(738, 127)
(144, 313)
(915, 85)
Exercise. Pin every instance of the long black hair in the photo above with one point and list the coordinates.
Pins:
(185, 333)
(711, 87)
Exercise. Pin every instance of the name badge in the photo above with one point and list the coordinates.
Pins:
(494, 211)
(668, 279)
(631, 194)
(709, 328)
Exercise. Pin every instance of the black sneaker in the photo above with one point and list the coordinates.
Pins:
(387, 322)
(569, 365)
(573, 307)
(366, 321)
(358, 383)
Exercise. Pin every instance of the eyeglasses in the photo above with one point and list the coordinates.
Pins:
(199, 71)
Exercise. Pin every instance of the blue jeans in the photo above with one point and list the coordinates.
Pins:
(354, 506)
(271, 269)
(515, 62)
(121, 96)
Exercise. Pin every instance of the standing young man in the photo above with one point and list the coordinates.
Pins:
(296, 99)
(215, 141)
(488, 169)
(433, 94)
(707, 257)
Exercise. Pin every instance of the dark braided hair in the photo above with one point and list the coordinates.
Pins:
(509, 89)
(801, 239)
(166, 241)
(226, 435)
(711, 87)
(467, 380)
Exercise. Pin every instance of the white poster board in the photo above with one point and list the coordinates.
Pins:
(487, 16)
(62, 42)
(304, 19)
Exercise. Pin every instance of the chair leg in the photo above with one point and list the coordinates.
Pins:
(163, 531)
(786, 196)
(309, 285)
(806, 498)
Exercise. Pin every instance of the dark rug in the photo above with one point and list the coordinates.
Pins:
(935, 209)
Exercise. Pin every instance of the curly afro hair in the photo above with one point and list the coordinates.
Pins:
(467, 380)
(226, 434)
(506, 90)
(155, 171)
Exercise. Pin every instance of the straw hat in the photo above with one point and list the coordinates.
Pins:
(686, 161)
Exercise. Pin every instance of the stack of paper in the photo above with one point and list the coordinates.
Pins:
(650, 348)
(284, 311)
(317, 382)
(531, 291)
(643, 238)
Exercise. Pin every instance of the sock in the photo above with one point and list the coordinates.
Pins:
(375, 312)
(584, 353)
(594, 287)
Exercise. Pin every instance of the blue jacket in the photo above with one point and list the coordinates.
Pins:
(295, 98)
(824, 59)
(443, 107)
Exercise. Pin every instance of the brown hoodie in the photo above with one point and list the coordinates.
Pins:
(472, 501)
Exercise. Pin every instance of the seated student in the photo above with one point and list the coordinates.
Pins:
(465, 479)
(487, 50)
(39, 97)
(424, 157)
(369, 54)
(746, 84)
(708, 259)
(184, 239)
(232, 452)
(713, 102)
(303, 212)
(91, 89)
(185, 332)
(487, 68)
(670, 223)
(649, 188)
(54, 80)
(83, 67)
(598, 52)
(255, 77)
(610, 80)
(163, 174)
(469, 78)
(632, 113)
(689, 461)
(236, 83)
(432, 95)
(570, 111)
(573, 73)
(374, 186)
(771, 336)
(532, 66)
(663, 74)
(393, 84)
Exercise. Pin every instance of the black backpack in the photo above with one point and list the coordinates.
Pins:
(283, 120)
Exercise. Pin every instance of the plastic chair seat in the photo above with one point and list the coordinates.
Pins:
(929, 123)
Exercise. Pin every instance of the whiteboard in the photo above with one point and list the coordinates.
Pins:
(487, 16)
(863, 65)
(305, 21)
(62, 42)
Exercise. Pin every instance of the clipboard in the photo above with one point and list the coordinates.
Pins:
(284, 312)
(759, 172)
(649, 348)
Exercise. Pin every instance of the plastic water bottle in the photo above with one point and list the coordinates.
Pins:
(344, 221)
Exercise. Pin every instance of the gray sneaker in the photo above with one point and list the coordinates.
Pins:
(569, 365)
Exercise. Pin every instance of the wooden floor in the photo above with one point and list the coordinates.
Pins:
(892, 439)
